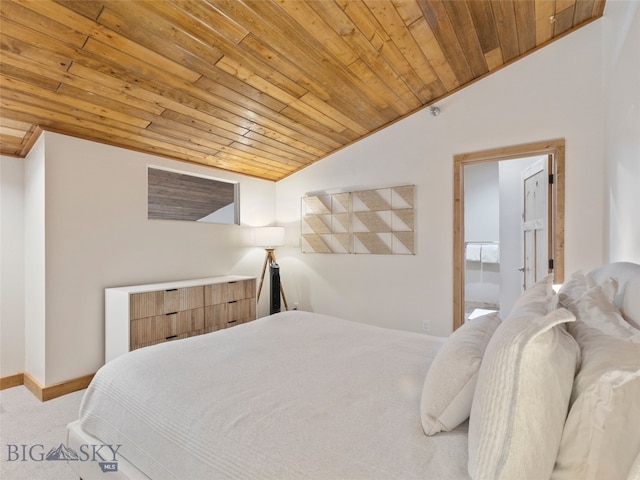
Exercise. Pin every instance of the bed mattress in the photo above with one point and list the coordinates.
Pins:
(290, 396)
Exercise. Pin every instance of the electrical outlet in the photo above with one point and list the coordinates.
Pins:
(426, 326)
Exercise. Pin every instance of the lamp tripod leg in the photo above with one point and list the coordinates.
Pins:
(267, 257)
(286, 307)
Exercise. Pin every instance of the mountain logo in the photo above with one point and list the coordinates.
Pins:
(62, 452)
(86, 453)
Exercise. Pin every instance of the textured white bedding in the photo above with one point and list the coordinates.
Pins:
(292, 396)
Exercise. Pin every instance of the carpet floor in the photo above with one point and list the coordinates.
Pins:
(29, 429)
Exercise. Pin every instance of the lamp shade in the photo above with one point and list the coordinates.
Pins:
(268, 236)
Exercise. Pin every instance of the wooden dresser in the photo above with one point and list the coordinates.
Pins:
(142, 315)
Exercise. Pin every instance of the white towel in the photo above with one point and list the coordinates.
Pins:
(479, 312)
(473, 252)
(490, 254)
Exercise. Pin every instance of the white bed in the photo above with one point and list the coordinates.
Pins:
(335, 399)
(291, 396)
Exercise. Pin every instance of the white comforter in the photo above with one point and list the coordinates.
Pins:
(291, 396)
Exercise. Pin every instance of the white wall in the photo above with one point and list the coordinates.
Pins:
(11, 266)
(621, 67)
(481, 202)
(34, 263)
(87, 209)
(550, 94)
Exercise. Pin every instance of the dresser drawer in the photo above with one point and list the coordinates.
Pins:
(189, 320)
(193, 333)
(165, 327)
(228, 314)
(149, 304)
(230, 291)
(179, 299)
(150, 329)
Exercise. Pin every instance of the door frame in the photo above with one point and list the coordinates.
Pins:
(555, 148)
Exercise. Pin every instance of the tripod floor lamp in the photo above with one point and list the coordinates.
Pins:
(269, 238)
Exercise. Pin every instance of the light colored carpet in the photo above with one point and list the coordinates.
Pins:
(41, 426)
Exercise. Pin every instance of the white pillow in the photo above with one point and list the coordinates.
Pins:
(522, 398)
(596, 309)
(574, 288)
(539, 299)
(450, 383)
(600, 438)
(634, 472)
(600, 354)
(631, 304)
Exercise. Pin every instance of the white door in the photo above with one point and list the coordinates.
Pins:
(535, 217)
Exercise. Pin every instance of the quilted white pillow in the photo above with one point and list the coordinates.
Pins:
(539, 299)
(522, 398)
(451, 380)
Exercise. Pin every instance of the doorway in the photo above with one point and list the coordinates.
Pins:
(493, 262)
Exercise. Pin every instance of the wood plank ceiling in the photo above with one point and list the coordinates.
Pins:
(261, 87)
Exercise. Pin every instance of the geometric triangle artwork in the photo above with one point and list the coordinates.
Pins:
(316, 243)
(373, 200)
(375, 221)
(406, 194)
(317, 204)
(317, 224)
(341, 222)
(372, 243)
(344, 241)
(406, 217)
(406, 238)
(341, 202)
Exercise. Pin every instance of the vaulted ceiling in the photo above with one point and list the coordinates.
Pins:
(261, 87)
